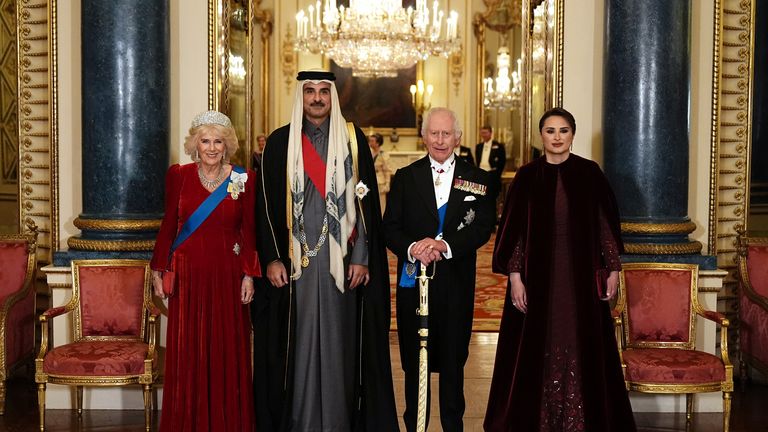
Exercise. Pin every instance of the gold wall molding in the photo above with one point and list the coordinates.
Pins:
(660, 228)
(38, 121)
(732, 84)
(264, 18)
(117, 225)
(288, 60)
(456, 64)
(9, 103)
(110, 245)
(693, 247)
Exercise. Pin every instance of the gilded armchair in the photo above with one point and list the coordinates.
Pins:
(17, 303)
(658, 307)
(752, 260)
(113, 341)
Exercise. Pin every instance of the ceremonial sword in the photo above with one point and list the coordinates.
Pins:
(423, 313)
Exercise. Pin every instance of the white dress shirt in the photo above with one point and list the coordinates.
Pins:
(484, 162)
(442, 192)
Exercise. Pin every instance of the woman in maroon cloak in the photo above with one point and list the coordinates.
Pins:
(557, 366)
(208, 360)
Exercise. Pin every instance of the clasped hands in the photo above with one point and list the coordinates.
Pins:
(428, 250)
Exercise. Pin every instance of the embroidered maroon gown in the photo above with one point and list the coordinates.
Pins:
(557, 366)
(207, 383)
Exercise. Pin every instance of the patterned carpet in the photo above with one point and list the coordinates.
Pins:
(489, 290)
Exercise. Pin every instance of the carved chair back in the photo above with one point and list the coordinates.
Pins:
(660, 305)
(111, 297)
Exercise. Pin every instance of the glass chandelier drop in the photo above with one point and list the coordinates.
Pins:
(505, 94)
(376, 37)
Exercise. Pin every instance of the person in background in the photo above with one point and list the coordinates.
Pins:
(490, 154)
(380, 162)
(261, 141)
(465, 153)
(557, 365)
(205, 265)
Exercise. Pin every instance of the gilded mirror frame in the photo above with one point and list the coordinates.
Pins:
(731, 140)
(37, 113)
(483, 21)
(223, 94)
(553, 74)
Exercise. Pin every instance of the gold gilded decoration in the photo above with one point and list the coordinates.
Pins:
(304, 261)
(746, 285)
(288, 60)
(36, 81)
(693, 247)
(263, 17)
(110, 245)
(456, 64)
(658, 228)
(731, 146)
(117, 224)
(9, 139)
(468, 186)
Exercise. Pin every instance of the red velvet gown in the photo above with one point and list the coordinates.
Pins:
(207, 383)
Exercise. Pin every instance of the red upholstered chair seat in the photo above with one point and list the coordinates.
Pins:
(673, 366)
(100, 358)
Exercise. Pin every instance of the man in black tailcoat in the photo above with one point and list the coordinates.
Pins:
(440, 210)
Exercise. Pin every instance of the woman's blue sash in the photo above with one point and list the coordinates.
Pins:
(204, 210)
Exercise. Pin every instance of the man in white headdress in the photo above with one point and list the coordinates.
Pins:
(321, 317)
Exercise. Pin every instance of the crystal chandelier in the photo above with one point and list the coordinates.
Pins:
(376, 37)
(506, 93)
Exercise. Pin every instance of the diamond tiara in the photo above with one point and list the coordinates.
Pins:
(211, 117)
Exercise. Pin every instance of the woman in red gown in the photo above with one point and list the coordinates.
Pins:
(207, 383)
(557, 365)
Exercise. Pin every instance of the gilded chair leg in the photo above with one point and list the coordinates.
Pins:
(41, 404)
(688, 407)
(147, 406)
(79, 400)
(726, 411)
(2, 397)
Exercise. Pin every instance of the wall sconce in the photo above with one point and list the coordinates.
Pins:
(421, 99)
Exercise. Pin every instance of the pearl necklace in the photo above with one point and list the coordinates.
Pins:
(210, 184)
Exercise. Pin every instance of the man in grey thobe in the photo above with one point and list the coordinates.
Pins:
(319, 242)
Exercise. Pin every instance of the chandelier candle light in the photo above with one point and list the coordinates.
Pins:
(506, 95)
(376, 37)
(421, 99)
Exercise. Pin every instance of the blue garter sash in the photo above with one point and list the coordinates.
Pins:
(204, 210)
(408, 274)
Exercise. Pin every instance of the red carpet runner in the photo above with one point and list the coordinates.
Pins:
(489, 290)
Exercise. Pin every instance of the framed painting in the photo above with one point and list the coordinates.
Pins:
(378, 104)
